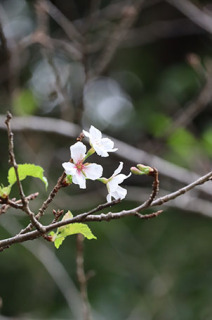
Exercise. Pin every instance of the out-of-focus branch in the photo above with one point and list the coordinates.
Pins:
(82, 279)
(195, 107)
(71, 31)
(125, 151)
(198, 16)
(160, 30)
(48, 52)
(53, 266)
(129, 15)
(12, 65)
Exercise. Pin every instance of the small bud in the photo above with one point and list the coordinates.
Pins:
(4, 192)
(81, 137)
(67, 181)
(51, 236)
(135, 170)
(145, 169)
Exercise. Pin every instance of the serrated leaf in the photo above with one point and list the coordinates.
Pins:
(75, 228)
(71, 229)
(58, 241)
(25, 170)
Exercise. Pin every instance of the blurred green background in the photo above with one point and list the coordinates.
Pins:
(132, 69)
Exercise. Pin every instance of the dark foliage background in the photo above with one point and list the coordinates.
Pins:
(153, 270)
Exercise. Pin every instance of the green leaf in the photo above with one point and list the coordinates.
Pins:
(25, 170)
(69, 230)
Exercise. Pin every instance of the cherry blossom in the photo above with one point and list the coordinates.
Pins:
(79, 170)
(101, 145)
(114, 190)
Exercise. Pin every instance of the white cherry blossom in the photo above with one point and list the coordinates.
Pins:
(114, 190)
(79, 170)
(101, 145)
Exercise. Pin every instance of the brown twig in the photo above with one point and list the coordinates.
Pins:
(46, 203)
(85, 217)
(12, 160)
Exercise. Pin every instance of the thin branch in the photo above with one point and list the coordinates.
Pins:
(105, 217)
(197, 15)
(188, 202)
(149, 216)
(25, 206)
(185, 117)
(160, 30)
(7, 203)
(46, 203)
(129, 15)
(48, 52)
(69, 28)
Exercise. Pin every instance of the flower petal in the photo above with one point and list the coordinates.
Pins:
(118, 170)
(119, 193)
(86, 133)
(108, 144)
(69, 168)
(99, 150)
(93, 171)
(95, 134)
(109, 198)
(79, 179)
(78, 151)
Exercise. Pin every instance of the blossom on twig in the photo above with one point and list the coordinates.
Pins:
(79, 170)
(101, 145)
(114, 190)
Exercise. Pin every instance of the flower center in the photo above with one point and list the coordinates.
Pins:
(79, 165)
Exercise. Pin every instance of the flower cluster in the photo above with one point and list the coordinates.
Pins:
(78, 170)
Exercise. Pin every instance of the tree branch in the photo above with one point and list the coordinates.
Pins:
(86, 217)
(25, 206)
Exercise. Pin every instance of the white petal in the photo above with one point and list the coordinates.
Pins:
(108, 144)
(69, 168)
(93, 171)
(121, 192)
(109, 199)
(79, 179)
(95, 134)
(99, 150)
(86, 133)
(118, 170)
(78, 151)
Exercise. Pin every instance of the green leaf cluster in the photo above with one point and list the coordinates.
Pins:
(69, 230)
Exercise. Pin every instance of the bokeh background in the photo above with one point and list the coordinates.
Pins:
(140, 71)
